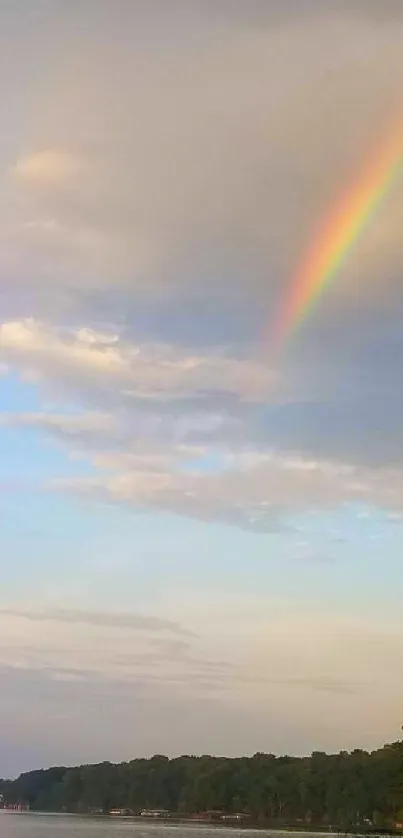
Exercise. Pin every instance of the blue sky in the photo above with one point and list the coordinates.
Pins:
(201, 543)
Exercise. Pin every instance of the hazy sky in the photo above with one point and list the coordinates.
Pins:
(201, 543)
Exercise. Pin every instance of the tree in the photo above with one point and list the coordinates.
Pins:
(344, 790)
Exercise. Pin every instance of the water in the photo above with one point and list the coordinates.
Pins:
(31, 825)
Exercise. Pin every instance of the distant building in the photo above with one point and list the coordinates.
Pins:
(235, 816)
(16, 807)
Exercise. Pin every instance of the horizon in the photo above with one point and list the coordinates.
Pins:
(201, 539)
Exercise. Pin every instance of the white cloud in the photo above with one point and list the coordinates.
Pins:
(251, 488)
(86, 359)
(164, 461)
(255, 498)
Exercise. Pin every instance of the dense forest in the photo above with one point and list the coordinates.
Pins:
(344, 790)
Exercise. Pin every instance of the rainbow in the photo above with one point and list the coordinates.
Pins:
(336, 237)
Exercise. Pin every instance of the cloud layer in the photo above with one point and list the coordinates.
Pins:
(184, 433)
(204, 165)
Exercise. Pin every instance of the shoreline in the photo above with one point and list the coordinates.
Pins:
(210, 824)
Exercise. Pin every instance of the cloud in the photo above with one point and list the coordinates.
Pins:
(150, 653)
(85, 358)
(185, 433)
(255, 498)
(257, 489)
(207, 160)
(204, 174)
(137, 622)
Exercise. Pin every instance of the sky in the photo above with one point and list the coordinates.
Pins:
(201, 540)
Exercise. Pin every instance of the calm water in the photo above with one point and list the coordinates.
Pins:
(28, 825)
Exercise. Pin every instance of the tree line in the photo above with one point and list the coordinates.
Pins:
(345, 790)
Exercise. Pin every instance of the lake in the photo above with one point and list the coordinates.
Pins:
(31, 825)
